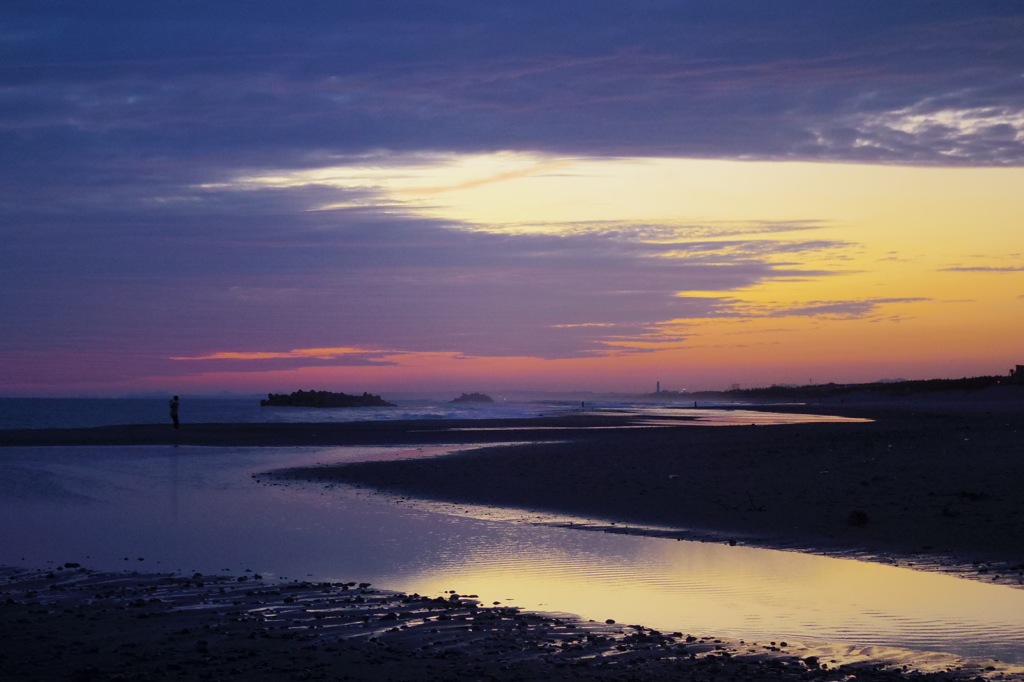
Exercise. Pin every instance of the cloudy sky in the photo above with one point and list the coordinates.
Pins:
(461, 195)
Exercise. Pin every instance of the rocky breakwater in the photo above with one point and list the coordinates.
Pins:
(323, 399)
(473, 398)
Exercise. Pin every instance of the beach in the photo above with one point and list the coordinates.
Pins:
(928, 483)
(931, 478)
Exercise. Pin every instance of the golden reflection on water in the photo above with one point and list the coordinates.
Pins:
(740, 592)
(648, 416)
(722, 416)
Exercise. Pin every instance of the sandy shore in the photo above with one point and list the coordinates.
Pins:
(938, 486)
(935, 483)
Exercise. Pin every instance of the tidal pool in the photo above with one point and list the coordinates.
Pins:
(200, 509)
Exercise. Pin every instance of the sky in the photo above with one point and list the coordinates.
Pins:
(583, 195)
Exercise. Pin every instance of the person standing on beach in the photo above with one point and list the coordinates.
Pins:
(174, 411)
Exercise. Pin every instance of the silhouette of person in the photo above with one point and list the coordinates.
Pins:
(174, 411)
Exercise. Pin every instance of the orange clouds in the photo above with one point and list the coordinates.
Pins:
(310, 353)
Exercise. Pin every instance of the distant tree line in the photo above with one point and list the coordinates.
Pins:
(889, 388)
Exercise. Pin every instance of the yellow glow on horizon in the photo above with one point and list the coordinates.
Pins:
(877, 266)
(518, 191)
(908, 209)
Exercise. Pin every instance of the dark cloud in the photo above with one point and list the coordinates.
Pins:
(985, 268)
(263, 85)
(846, 310)
(726, 306)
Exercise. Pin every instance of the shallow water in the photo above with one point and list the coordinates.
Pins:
(199, 509)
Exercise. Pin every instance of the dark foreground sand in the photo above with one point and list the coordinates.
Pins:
(74, 624)
(936, 483)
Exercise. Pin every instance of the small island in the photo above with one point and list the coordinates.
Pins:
(323, 399)
(473, 398)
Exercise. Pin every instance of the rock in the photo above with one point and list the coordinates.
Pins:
(323, 399)
(473, 398)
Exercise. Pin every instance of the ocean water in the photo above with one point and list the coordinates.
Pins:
(45, 413)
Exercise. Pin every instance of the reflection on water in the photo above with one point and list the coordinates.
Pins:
(749, 593)
(725, 416)
(190, 509)
(648, 416)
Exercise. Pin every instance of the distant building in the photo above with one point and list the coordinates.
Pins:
(1017, 375)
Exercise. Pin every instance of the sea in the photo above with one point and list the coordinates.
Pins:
(66, 413)
(48, 413)
(188, 509)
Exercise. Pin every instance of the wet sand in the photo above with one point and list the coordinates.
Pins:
(935, 483)
(75, 624)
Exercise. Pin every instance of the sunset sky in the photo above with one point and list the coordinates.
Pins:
(459, 195)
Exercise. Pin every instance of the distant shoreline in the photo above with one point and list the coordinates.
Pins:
(273, 434)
